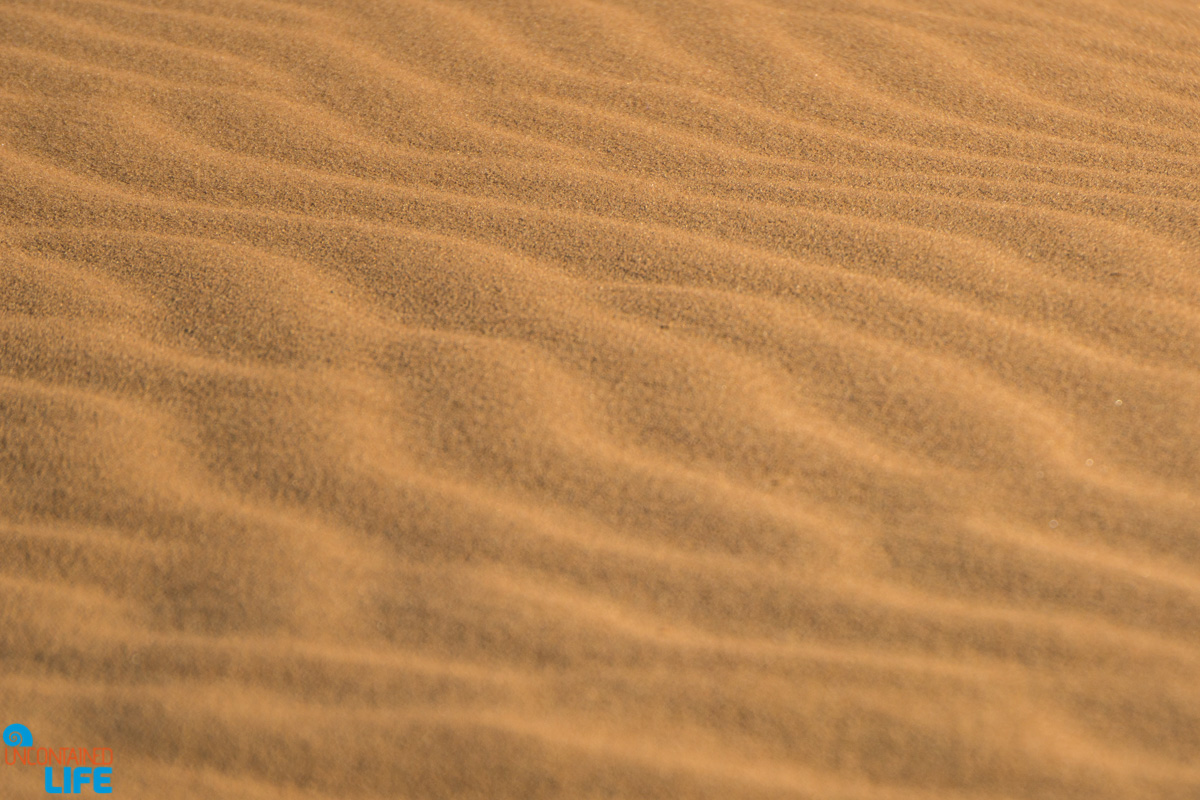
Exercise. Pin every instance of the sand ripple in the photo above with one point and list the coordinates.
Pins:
(543, 398)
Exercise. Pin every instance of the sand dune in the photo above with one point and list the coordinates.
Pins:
(582, 398)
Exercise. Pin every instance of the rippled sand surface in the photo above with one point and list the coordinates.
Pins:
(576, 399)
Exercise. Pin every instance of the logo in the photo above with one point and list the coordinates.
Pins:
(18, 736)
(69, 770)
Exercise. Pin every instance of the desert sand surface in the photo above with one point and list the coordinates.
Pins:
(603, 398)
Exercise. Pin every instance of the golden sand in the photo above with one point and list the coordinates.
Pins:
(593, 399)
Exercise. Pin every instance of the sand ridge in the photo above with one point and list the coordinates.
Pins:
(529, 398)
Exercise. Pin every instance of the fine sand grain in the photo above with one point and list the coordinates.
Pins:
(521, 399)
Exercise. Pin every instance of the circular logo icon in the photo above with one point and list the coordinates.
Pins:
(18, 736)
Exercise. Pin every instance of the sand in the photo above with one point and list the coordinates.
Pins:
(594, 399)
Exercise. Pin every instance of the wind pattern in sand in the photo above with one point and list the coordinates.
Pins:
(577, 399)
